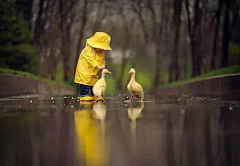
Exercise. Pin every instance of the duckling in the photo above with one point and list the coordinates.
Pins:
(134, 88)
(100, 86)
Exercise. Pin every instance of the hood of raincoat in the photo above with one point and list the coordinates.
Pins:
(100, 40)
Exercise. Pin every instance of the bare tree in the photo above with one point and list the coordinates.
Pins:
(216, 34)
(174, 67)
(226, 34)
(194, 30)
(125, 48)
(84, 16)
(67, 15)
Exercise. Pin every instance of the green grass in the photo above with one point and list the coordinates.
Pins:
(60, 72)
(30, 75)
(111, 85)
(217, 72)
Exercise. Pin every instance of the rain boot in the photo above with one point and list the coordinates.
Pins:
(87, 98)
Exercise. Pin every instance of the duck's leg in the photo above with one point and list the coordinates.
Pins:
(96, 99)
(141, 99)
(103, 100)
(131, 98)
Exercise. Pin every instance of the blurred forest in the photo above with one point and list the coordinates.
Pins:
(165, 40)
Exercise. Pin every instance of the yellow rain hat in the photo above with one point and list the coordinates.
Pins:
(100, 40)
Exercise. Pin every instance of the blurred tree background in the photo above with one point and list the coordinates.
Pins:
(165, 40)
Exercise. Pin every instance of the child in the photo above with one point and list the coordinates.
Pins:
(90, 62)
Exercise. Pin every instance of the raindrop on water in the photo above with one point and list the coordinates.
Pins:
(230, 108)
(52, 98)
(182, 111)
(161, 116)
(30, 101)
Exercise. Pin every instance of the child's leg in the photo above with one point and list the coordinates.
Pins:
(85, 92)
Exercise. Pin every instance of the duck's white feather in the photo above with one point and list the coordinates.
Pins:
(100, 87)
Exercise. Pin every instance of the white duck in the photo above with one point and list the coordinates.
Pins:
(134, 88)
(101, 85)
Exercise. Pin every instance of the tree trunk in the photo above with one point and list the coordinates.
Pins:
(215, 41)
(226, 35)
(66, 21)
(194, 35)
(125, 49)
(174, 67)
(196, 69)
(66, 54)
(121, 76)
(157, 67)
(39, 25)
(84, 21)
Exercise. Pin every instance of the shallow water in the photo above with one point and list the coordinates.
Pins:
(170, 131)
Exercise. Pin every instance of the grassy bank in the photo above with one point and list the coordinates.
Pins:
(217, 72)
(30, 75)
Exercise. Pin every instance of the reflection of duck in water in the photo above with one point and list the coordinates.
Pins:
(89, 142)
(134, 113)
(100, 114)
(100, 111)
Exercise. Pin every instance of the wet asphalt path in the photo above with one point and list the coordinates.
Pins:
(171, 131)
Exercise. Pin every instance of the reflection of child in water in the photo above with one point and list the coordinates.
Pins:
(91, 144)
(90, 62)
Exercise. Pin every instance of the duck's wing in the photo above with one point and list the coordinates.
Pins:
(104, 87)
(138, 90)
(97, 89)
(138, 87)
(129, 87)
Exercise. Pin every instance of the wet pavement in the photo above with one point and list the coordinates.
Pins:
(170, 131)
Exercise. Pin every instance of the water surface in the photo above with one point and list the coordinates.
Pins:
(190, 131)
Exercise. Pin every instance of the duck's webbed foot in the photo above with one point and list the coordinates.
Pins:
(141, 100)
(130, 100)
(127, 101)
(99, 99)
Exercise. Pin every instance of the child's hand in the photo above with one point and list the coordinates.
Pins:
(100, 67)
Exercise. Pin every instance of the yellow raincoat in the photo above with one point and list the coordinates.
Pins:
(87, 71)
